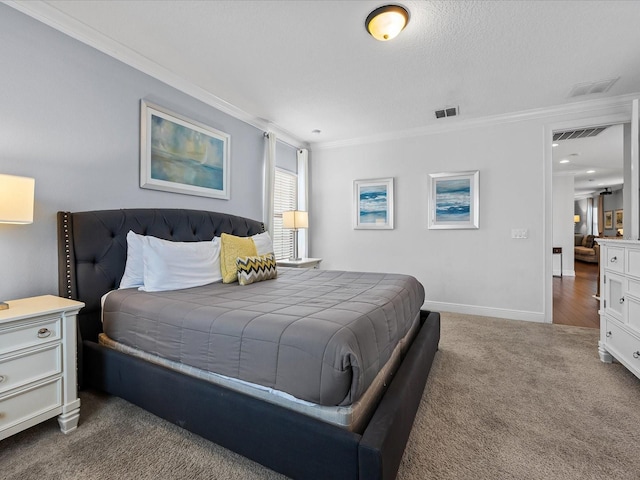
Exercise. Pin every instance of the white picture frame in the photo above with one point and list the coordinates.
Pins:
(454, 200)
(180, 155)
(373, 204)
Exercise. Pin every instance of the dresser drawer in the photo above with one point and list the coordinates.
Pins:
(633, 312)
(28, 334)
(624, 346)
(30, 402)
(633, 262)
(615, 259)
(19, 370)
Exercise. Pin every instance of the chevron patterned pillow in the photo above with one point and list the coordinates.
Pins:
(256, 269)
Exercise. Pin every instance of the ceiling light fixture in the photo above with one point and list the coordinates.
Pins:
(591, 171)
(555, 144)
(385, 23)
(564, 161)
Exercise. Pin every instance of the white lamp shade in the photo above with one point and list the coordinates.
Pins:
(16, 199)
(295, 219)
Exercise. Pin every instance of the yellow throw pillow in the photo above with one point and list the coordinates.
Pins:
(232, 248)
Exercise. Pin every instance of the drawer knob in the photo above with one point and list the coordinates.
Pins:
(608, 334)
(614, 259)
(44, 333)
(622, 300)
(636, 354)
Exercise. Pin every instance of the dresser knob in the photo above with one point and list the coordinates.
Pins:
(608, 334)
(614, 259)
(622, 300)
(636, 354)
(44, 333)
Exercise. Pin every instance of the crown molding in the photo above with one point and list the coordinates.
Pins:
(54, 18)
(586, 107)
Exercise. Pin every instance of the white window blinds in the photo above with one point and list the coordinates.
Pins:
(285, 197)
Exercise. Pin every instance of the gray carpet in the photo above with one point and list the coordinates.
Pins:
(505, 400)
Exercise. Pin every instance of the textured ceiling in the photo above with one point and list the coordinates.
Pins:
(306, 65)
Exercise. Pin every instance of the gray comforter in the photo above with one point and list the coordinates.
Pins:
(319, 335)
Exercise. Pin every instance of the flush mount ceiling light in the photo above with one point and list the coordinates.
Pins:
(385, 23)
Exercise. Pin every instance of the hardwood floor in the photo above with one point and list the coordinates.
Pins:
(573, 301)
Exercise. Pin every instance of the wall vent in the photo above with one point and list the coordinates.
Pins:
(447, 112)
(579, 133)
(588, 88)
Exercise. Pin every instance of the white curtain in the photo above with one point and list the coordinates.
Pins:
(269, 181)
(303, 199)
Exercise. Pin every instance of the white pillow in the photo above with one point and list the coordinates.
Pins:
(263, 242)
(176, 265)
(134, 269)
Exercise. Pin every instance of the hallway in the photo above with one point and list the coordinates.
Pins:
(573, 301)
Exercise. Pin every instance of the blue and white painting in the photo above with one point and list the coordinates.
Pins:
(373, 204)
(180, 154)
(453, 200)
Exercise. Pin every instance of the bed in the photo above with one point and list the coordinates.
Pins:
(92, 257)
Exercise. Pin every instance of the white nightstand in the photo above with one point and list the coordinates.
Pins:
(302, 263)
(38, 364)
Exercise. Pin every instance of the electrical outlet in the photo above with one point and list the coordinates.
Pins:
(519, 233)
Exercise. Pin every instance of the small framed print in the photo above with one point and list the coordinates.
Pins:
(373, 204)
(454, 200)
(619, 219)
(608, 220)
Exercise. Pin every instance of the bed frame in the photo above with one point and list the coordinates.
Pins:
(92, 254)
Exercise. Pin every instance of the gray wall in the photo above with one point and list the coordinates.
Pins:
(69, 117)
(286, 157)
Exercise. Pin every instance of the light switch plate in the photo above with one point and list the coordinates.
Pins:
(519, 233)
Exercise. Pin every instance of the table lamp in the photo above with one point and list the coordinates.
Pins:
(295, 219)
(16, 203)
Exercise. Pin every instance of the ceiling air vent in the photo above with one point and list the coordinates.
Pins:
(579, 133)
(447, 112)
(592, 87)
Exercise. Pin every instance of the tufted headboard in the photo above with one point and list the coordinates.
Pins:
(92, 248)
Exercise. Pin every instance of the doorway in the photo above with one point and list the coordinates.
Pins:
(591, 161)
(574, 299)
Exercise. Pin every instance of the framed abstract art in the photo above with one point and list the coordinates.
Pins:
(181, 155)
(373, 203)
(454, 200)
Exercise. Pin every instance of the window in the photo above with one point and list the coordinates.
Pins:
(285, 195)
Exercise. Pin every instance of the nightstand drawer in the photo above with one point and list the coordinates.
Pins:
(30, 402)
(25, 368)
(30, 333)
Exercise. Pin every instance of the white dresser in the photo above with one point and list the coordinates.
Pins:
(38, 364)
(620, 302)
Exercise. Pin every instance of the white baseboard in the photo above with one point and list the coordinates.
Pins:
(485, 311)
(565, 273)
